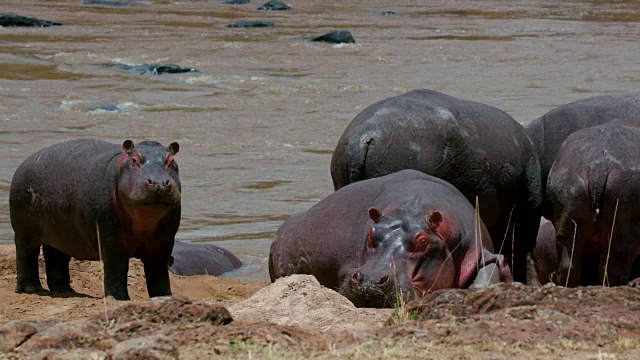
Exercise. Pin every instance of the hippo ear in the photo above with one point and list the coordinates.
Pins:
(435, 219)
(127, 146)
(174, 147)
(375, 214)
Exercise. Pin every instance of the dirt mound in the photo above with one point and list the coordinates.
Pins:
(301, 301)
(514, 313)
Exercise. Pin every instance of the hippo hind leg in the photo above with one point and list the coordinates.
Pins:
(28, 279)
(57, 266)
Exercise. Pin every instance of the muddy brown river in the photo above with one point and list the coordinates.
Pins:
(258, 124)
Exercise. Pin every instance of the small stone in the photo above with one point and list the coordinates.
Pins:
(156, 347)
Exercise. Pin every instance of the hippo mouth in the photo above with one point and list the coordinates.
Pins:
(169, 198)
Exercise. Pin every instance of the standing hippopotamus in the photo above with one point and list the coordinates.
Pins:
(479, 149)
(549, 131)
(62, 193)
(401, 235)
(201, 259)
(594, 195)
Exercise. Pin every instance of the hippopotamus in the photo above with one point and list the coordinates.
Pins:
(336, 37)
(479, 149)
(201, 259)
(91, 199)
(15, 20)
(545, 254)
(376, 241)
(549, 131)
(156, 69)
(594, 196)
(251, 24)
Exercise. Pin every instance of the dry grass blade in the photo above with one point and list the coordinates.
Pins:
(573, 246)
(613, 224)
(504, 239)
(104, 289)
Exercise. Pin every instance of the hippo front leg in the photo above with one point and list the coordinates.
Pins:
(157, 275)
(116, 267)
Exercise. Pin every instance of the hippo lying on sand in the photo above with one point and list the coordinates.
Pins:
(62, 193)
(479, 149)
(201, 259)
(401, 235)
(594, 194)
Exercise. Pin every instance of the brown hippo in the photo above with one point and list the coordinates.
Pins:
(402, 235)
(62, 193)
(545, 256)
(549, 131)
(479, 149)
(594, 195)
(201, 259)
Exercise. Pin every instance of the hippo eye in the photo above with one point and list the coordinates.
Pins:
(370, 241)
(420, 243)
(135, 162)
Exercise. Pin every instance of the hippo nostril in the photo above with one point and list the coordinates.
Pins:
(167, 182)
(149, 182)
(383, 280)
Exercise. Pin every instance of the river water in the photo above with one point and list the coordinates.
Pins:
(258, 124)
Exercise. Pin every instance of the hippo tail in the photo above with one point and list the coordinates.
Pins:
(349, 161)
(596, 185)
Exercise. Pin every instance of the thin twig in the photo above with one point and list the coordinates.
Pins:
(613, 224)
(104, 289)
(475, 231)
(505, 239)
(575, 230)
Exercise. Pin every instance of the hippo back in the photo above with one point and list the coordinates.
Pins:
(202, 259)
(550, 130)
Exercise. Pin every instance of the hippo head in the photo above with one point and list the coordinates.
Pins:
(406, 256)
(148, 174)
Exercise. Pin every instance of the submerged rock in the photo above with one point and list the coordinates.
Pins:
(274, 5)
(336, 37)
(13, 20)
(114, 3)
(235, 2)
(386, 13)
(251, 24)
(156, 69)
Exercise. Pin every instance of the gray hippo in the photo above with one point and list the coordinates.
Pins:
(336, 37)
(479, 149)
(61, 195)
(201, 259)
(402, 235)
(549, 131)
(545, 254)
(595, 180)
